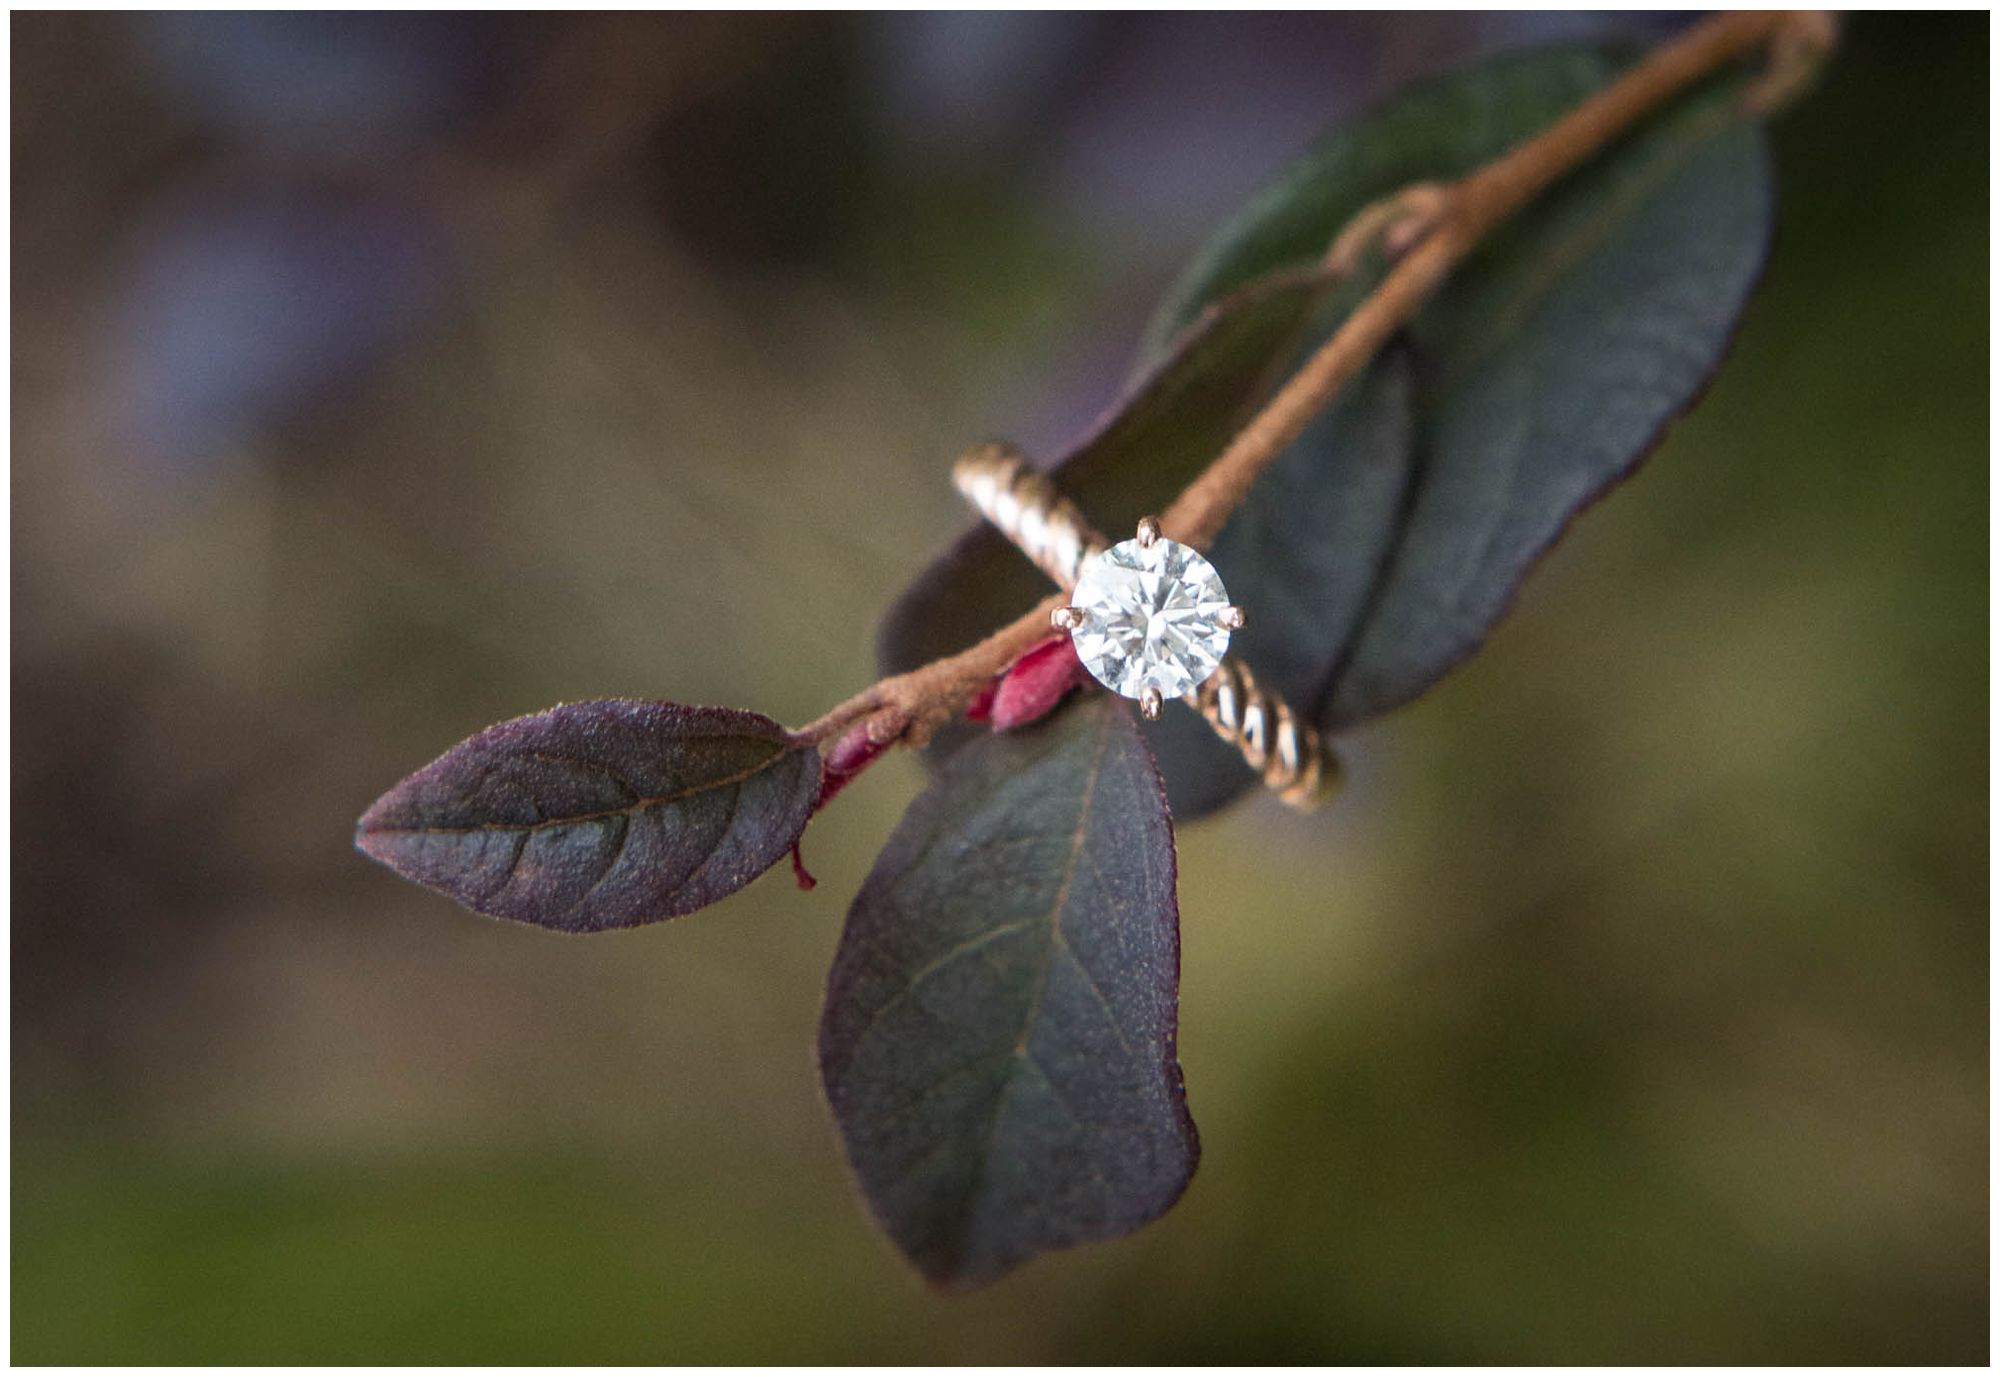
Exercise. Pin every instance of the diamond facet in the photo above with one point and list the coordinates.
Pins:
(1153, 616)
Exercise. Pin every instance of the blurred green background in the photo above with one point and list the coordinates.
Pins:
(376, 378)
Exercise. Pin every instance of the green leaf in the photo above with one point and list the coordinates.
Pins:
(1544, 372)
(1385, 543)
(599, 815)
(998, 1040)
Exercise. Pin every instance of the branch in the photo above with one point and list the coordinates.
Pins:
(1433, 228)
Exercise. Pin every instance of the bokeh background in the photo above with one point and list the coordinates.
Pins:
(376, 378)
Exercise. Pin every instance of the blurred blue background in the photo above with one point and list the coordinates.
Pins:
(378, 377)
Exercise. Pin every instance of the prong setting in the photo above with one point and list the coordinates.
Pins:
(1066, 618)
(1025, 506)
(1150, 703)
(1151, 615)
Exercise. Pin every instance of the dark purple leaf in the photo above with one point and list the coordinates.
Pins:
(599, 815)
(998, 1040)
(1385, 543)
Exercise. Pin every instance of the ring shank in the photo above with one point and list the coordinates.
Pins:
(1024, 504)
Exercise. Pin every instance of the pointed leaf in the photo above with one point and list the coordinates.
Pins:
(998, 1040)
(598, 815)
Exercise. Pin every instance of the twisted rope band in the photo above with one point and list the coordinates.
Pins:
(1024, 505)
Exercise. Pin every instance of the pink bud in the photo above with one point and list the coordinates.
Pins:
(851, 753)
(1035, 683)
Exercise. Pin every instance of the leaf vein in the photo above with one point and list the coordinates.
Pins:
(574, 819)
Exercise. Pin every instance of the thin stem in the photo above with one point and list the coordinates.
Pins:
(1456, 217)
(1442, 224)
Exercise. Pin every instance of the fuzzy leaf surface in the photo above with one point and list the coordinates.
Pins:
(998, 1042)
(596, 815)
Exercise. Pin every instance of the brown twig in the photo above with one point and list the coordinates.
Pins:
(1432, 228)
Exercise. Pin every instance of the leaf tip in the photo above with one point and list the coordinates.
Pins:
(372, 832)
